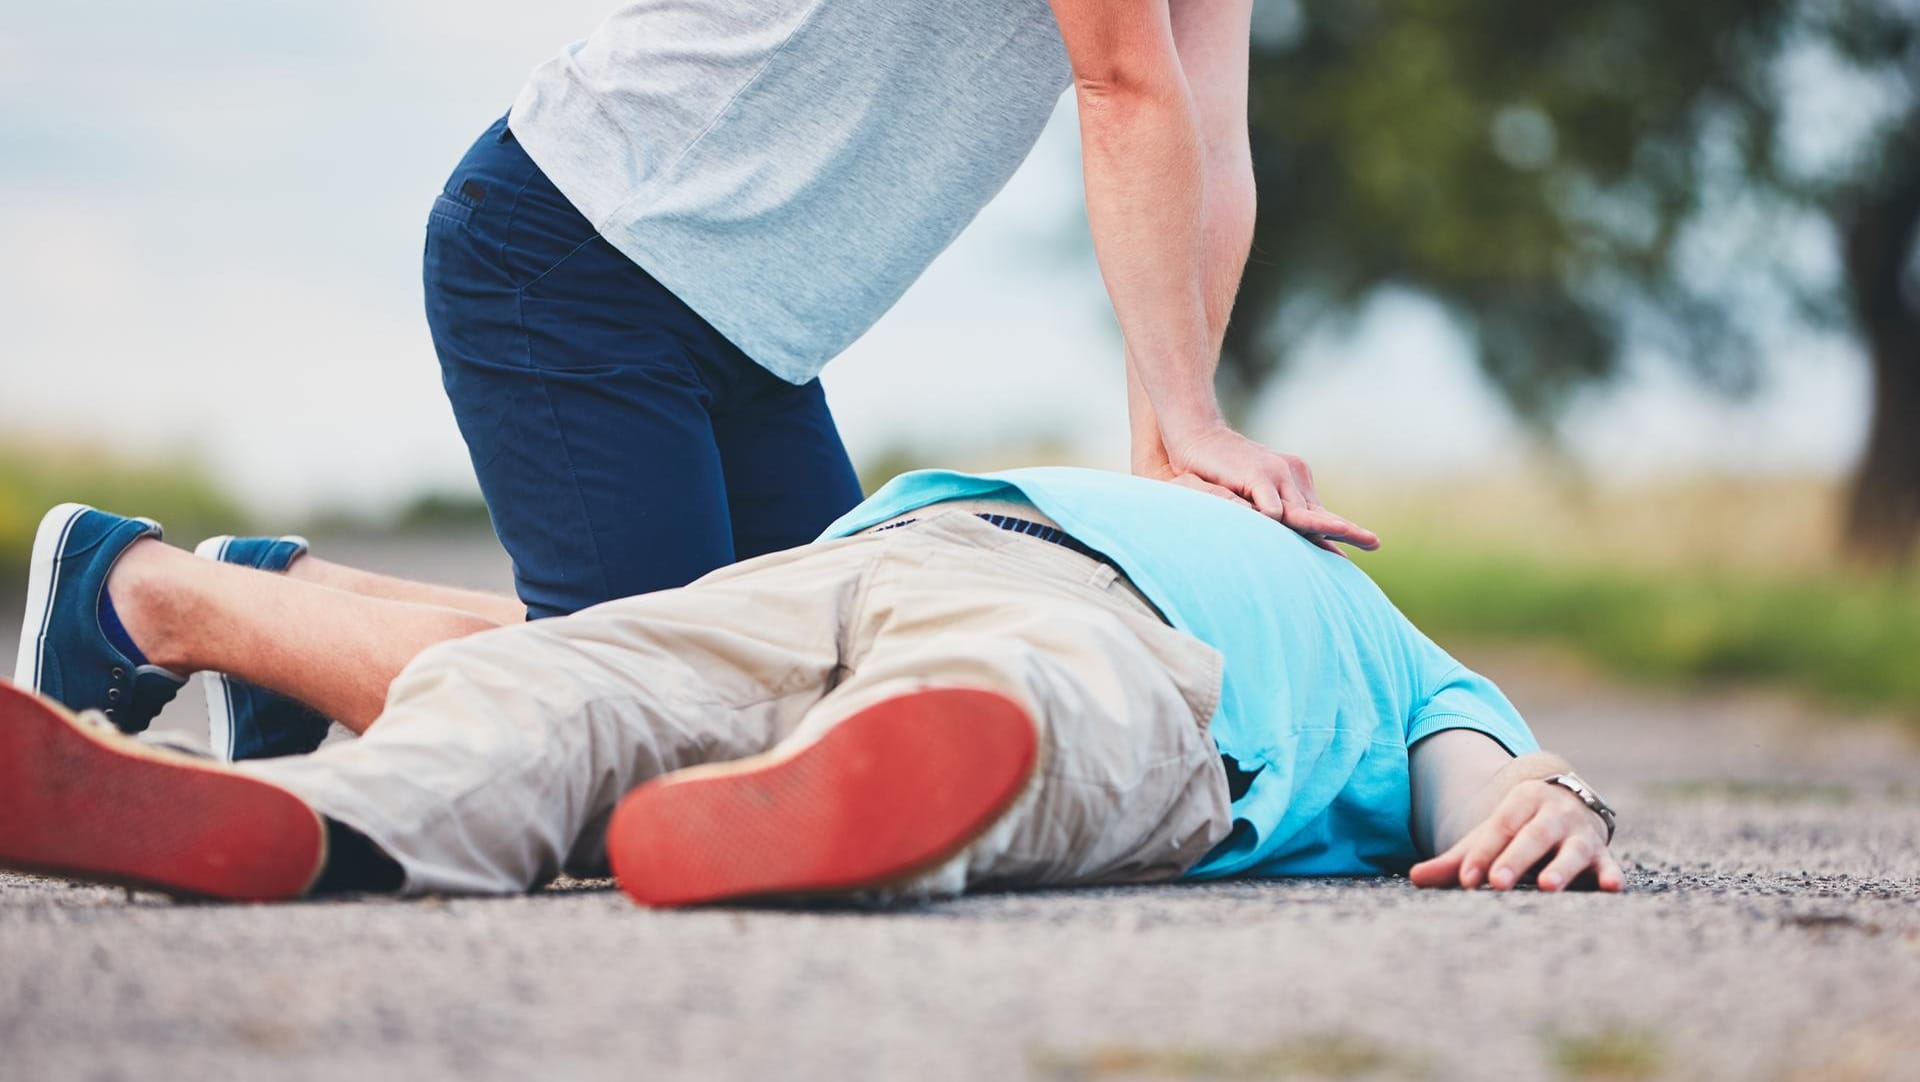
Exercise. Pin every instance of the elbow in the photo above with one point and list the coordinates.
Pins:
(1234, 188)
(1230, 168)
(1239, 181)
(1232, 203)
(1135, 118)
(1119, 92)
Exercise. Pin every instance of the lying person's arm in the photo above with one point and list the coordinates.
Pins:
(1482, 815)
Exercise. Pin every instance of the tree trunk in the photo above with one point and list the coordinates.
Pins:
(1883, 520)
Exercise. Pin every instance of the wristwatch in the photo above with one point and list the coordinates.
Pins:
(1573, 784)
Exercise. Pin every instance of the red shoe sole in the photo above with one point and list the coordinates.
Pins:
(889, 792)
(86, 805)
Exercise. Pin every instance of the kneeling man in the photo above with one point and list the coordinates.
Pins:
(1042, 677)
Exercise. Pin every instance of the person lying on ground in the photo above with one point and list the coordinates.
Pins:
(1043, 677)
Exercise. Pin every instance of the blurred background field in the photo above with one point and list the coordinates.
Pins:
(1706, 579)
(1681, 582)
(35, 476)
(1605, 318)
(1701, 580)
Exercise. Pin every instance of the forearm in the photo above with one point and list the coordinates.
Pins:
(1163, 136)
(1229, 218)
(1482, 821)
(1226, 238)
(1147, 206)
(1459, 777)
(1149, 452)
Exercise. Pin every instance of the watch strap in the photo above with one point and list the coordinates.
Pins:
(1574, 784)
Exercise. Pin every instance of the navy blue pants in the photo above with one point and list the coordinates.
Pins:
(621, 443)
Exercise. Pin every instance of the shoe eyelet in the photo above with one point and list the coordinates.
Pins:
(118, 673)
(113, 694)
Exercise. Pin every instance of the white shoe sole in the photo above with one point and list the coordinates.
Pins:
(214, 686)
(43, 577)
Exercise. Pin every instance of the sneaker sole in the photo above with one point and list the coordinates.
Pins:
(214, 686)
(87, 805)
(43, 586)
(888, 793)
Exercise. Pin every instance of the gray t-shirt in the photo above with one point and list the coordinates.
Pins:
(789, 167)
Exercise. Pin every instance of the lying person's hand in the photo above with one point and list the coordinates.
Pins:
(1277, 485)
(1536, 823)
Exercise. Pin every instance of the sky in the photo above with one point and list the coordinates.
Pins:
(211, 214)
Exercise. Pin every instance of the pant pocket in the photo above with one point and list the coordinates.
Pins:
(1196, 669)
(541, 229)
(450, 209)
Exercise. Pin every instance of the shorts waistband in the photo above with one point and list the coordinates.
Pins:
(1025, 527)
(1051, 534)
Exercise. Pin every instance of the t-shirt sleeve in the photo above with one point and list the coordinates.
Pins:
(1464, 699)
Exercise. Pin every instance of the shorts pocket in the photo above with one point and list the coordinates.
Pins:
(541, 232)
(1198, 670)
(450, 208)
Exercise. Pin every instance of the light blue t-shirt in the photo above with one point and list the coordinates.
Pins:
(1326, 684)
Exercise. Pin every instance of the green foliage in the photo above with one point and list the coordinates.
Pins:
(877, 469)
(1848, 638)
(173, 489)
(443, 511)
(436, 511)
(1570, 182)
(891, 462)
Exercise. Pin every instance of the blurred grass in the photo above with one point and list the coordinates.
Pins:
(1703, 579)
(435, 511)
(1609, 1056)
(1712, 579)
(1695, 580)
(1310, 1056)
(1853, 640)
(890, 462)
(176, 489)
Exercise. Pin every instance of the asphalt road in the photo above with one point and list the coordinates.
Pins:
(1772, 931)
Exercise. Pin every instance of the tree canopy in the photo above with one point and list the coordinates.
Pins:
(1575, 184)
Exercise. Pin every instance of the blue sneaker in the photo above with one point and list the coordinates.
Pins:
(66, 653)
(246, 721)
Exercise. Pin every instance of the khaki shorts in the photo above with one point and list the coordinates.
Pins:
(499, 757)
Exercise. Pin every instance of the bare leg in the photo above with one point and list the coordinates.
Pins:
(499, 608)
(334, 650)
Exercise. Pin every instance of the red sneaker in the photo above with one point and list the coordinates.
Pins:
(77, 799)
(888, 793)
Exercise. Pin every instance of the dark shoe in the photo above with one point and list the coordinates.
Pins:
(64, 651)
(888, 793)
